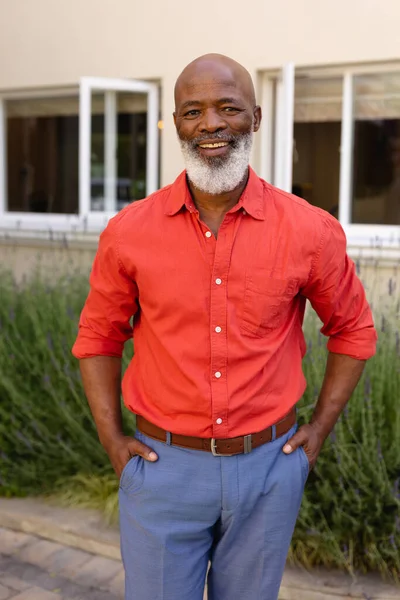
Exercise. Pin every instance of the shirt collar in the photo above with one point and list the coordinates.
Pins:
(251, 201)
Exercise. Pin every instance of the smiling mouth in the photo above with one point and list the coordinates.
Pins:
(215, 145)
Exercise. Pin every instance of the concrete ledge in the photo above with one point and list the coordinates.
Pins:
(84, 529)
(321, 584)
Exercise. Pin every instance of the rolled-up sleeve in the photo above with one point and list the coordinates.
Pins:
(105, 322)
(338, 296)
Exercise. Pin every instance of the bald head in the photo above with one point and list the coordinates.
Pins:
(215, 69)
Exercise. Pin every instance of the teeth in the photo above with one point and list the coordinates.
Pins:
(217, 145)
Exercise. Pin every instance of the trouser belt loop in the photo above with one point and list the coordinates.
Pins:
(273, 432)
(168, 438)
(247, 444)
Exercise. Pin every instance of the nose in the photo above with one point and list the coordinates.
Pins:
(212, 121)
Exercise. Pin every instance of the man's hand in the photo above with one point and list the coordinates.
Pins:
(341, 377)
(121, 449)
(310, 438)
(101, 376)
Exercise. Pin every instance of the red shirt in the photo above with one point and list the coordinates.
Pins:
(218, 322)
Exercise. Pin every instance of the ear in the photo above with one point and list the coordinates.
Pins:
(174, 115)
(257, 115)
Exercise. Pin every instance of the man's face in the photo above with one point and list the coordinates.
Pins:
(212, 116)
(215, 120)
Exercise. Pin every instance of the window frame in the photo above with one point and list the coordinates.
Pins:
(277, 90)
(86, 220)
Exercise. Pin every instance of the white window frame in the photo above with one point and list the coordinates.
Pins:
(275, 159)
(86, 220)
(110, 87)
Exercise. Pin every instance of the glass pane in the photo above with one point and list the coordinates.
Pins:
(127, 176)
(376, 153)
(131, 148)
(317, 131)
(42, 155)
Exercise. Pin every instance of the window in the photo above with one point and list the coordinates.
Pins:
(376, 154)
(42, 155)
(316, 151)
(72, 159)
(332, 136)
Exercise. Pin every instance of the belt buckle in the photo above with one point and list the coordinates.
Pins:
(214, 449)
(246, 450)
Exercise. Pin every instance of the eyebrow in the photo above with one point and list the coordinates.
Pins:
(228, 101)
(190, 103)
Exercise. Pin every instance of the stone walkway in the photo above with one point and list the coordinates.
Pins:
(32, 568)
(53, 553)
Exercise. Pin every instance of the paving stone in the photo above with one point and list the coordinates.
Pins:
(12, 541)
(94, 595)
(14, 583)
(49, 581)
(67, 561)
(36, 593)
(5, 592)
(97, 571)
(117, 584)
(32, 575)
(39, 553)
(23, 571)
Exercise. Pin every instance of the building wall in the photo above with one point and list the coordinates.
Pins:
(46, 43)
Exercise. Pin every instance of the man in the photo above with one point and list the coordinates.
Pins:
(216, 270)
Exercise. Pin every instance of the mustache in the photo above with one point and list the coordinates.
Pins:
(215, 137)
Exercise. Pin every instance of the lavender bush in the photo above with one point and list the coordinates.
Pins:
(46, 430)
(350, 517)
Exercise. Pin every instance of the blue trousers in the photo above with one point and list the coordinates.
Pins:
(191, 508)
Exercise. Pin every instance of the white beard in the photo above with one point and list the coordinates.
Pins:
(217, 175)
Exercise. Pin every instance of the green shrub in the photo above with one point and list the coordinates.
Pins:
(350, 513)
(46, 430)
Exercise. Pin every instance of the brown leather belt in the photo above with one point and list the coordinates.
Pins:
(222, 447)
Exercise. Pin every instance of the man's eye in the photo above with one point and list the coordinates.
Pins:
(192, 113)
(229, 109)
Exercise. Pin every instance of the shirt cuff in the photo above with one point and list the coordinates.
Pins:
(361, 349)
(88, 346)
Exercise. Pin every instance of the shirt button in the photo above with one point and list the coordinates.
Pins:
(218, 281)
(218, 329)
(218, 421)
(217, 374)
(244, 212)
(208, 234)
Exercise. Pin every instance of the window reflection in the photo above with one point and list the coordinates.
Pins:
(376, 164)
(317, 130)
(42, 155)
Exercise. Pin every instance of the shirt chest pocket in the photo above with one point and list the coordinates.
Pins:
(267, 302)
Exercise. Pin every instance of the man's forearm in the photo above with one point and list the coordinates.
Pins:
(101, 376)
(342, 375)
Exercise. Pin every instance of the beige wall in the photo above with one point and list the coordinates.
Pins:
(48, 43)
(52, 259)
